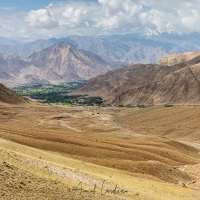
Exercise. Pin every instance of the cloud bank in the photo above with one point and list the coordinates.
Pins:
(103, 17)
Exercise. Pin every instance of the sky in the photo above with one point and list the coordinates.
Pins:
(28, 20)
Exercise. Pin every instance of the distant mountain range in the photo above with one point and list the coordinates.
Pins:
(173, 80)
(126, 48)
(56, 64)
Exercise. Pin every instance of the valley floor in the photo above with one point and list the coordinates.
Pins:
(57, 152)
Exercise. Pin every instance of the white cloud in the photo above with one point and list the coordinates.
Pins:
(104, 17)
(8, 8)
(41, 19)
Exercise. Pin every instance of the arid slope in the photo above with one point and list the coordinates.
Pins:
(59, 63)
(100, 139)
(175, 80)
(143, 150)
(8, 96)
(29, 173)
(178, 58)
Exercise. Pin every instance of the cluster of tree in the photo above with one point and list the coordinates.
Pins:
(57, 94)
(41, 89)
(59, 97)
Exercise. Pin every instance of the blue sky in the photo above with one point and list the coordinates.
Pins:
(36, 19)
(27, 5)
(24, 5)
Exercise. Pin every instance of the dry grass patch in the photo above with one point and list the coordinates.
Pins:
(116, 145)
(48, 174)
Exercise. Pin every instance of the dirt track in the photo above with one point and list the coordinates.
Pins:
(154, 143)
(92, 134)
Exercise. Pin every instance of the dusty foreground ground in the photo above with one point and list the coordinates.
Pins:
(49, 152)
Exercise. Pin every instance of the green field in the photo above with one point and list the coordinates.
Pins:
(57, 94)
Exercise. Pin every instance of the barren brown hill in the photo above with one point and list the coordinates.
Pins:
(153, 84)
(8, 96)
(11, 64)
(178, 58)
(64, 59)
(59, 63)
(141, 150)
